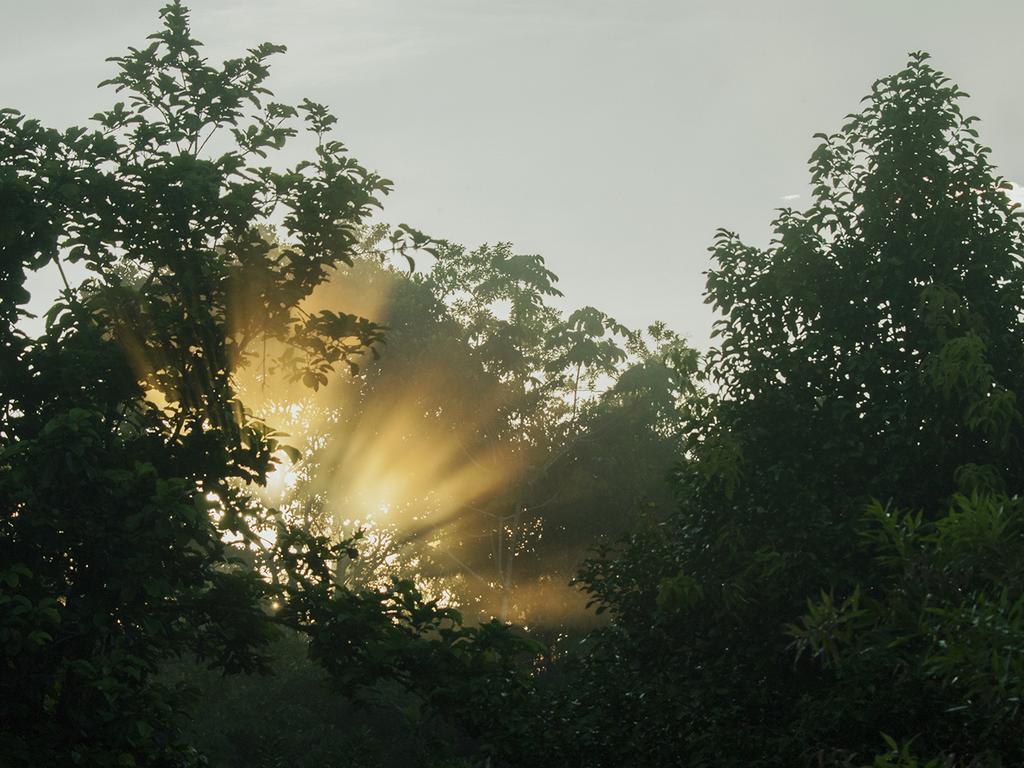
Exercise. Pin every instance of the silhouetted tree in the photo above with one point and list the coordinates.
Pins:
(873, 351)
(129, 533)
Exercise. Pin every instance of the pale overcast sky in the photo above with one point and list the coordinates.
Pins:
(611, 137)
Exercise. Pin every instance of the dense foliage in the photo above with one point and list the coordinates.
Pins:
(130, 533)
(526, 438)
(846, 557)
(832, 574)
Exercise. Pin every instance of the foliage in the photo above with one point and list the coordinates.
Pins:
(840, 582)
(130, 533)
(489, 477)
(872, 351)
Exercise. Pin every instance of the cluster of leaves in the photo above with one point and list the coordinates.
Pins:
(944, 614)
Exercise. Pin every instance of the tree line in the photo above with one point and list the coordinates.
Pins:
(803, 548)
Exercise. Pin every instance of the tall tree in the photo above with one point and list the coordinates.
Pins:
(873, 350)
(129, 533)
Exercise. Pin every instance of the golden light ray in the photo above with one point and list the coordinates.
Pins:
(406, 452)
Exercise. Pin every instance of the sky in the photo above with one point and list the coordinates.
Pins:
(613, 138)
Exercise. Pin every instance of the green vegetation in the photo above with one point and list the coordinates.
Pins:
(805, 549)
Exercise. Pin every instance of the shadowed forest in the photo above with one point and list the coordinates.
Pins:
(284, 484)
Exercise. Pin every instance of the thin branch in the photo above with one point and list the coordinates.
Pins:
(60, 268)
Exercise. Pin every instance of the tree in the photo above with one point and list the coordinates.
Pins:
(479, 451)
(884, 324)
(130, 534)
(873, 351)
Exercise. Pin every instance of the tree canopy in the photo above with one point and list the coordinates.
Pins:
(131, 533)
(805, 548)
(854, 464)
